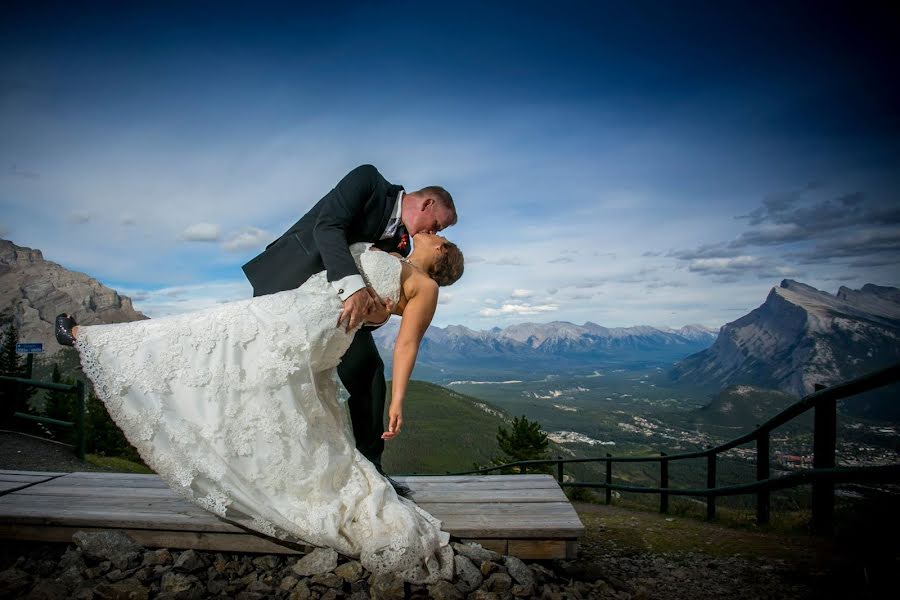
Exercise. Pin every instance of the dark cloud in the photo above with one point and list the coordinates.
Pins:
(648, 253)
(717, 250)
(880, 246)
(561, 260)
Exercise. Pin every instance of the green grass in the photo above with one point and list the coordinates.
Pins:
(443, 431)
(117, 464)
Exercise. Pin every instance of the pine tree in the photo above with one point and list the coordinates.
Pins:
(525, 441)
(10, 366)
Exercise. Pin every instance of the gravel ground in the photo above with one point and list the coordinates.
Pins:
(26, 453)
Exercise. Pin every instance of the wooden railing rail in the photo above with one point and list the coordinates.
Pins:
(78, 389)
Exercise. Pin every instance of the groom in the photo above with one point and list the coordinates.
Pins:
(363, 207)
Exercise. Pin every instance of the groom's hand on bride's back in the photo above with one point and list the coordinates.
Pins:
(364, 305)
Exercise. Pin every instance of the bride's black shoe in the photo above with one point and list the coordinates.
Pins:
(64, 325)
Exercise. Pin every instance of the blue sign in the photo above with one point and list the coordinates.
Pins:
(37, 348)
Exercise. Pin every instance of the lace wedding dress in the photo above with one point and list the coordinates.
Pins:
(237, 409)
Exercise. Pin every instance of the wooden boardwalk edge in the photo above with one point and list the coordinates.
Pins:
(526, 516)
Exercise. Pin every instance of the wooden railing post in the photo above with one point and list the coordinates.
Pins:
(80, 434)
(711, 484)
(559, 469)
(762, 473)
(824, 441)
(608, 478)
(664, 483)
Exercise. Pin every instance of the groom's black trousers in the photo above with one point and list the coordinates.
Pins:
(362, 373)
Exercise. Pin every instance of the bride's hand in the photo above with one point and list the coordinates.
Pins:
(395, 420)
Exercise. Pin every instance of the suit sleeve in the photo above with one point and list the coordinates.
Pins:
(340, 207)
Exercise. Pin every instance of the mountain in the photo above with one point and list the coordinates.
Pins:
(457, 351)
(33, 291)
(801, 336)
(744, 407)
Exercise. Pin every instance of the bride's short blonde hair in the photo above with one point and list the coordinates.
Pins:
(449, 265)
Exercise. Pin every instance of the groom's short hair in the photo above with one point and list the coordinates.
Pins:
(442, 197)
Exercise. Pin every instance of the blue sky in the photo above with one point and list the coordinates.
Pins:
(625, 165)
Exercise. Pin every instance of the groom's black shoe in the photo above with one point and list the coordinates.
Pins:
(64, 325)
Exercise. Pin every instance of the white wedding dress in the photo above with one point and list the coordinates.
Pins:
(237, 409)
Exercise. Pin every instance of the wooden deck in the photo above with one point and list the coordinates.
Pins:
(523, 515)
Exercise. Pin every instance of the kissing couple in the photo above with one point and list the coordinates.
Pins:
(237, 408)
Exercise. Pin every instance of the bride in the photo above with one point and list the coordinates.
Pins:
(236, 408)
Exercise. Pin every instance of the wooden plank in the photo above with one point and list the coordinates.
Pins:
(538, 549)
(106, 475)
(76, 491)
(11, 486)
(464, 495)
(471, 478)
(64, 481)
(488, 528)
(24, 478)
(501, 546)
(222, 542)
(41, 473)
(483, 485)
(532, 509)
(118, 520)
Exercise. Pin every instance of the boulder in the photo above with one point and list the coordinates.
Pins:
(320, 560)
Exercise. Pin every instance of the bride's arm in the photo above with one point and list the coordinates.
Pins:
(416, 318)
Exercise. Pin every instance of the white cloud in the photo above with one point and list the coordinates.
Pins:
(187, 298)
(518, 309)
(249, 237)
(522, 293)
(201, 232)
(445, 297)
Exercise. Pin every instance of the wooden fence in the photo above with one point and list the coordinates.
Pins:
(823, 476)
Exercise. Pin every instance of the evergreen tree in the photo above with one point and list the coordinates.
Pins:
(103, 435)
(525, 441)
(10, 361)
(11, 365)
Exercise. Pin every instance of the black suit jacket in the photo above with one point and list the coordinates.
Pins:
(356, 210)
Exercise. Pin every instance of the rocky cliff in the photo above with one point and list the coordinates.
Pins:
(34, 290)
(801, 336)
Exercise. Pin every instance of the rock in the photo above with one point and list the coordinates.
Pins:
(522, 591)
(288, 583)
(250, 596)
(386, 587)
(260, 588)
(116, 575)
(475, 552)
(488, 567)
(483, 595)
(12, 581)
(350, 571)
(320, 560)
(300, 592)
(467, 573)
(216, 586)
(268, 562)
(329, 595)
(189, 561)
(114, 546)
(518, 570)
(177, 583)
(358, 595)
(72, 558)
(444, 590)
(328, 580)
(498, 582)
(84, 593)
(157, 557)
(71, 578)
(127, 589)
(48, 590)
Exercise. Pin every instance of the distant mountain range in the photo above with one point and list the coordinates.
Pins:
(33, 291)
(801, 336)
(457, 351)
